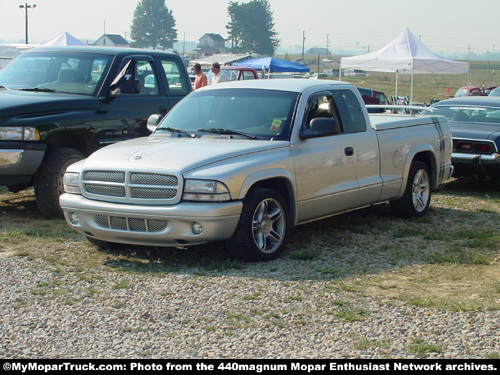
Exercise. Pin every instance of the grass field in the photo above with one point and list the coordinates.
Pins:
(426, 87)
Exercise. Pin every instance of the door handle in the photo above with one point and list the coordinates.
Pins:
(349, 151)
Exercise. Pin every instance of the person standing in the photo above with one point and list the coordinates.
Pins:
(201, 78)
(218, 77)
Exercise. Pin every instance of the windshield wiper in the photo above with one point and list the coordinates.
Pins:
(38, 89)
(4, 87)
(177, 131)
(227, 132)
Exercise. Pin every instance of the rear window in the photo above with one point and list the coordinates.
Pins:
(365, 91)
(351, 114)
(471, 114)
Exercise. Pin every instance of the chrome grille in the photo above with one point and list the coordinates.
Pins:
(119, 223)
(130, 224)
(152, 179)
(112, 191)
(101, 220)
(106, 176)
(132, 187)
(156, 225)
(151, 193)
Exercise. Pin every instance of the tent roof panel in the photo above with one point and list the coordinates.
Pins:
(406, 53)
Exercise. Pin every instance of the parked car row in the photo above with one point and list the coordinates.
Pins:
(495, 92)
(475, 127)
(235, 73)
(474, 120)
(373, 97)
(474, 91)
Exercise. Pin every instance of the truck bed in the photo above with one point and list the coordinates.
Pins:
(392, 121)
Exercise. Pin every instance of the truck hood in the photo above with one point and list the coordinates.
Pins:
(18, 102)
(174, 154)
(475, 131)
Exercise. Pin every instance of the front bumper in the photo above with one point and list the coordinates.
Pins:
(472, 164)
(19, 161)
(151, 225)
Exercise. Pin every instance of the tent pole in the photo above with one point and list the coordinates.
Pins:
(397, 73)
(411, 89)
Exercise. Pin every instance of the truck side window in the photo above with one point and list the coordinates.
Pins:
(247, 75)
(351, 114)
(321, 105)
(176, 84)
(145, 73)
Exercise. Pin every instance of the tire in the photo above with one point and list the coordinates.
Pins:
(262, 231)
(417, 196)
(49, 180)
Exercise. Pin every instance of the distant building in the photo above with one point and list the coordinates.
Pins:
(318, 51)
(210, 44)
(111, 40)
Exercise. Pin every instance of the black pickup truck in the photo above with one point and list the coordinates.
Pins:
(60, 104)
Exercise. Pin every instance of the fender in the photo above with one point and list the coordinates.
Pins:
(425, 153)
(265, 177)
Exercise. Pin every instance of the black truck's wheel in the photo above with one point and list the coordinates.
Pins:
(263, 228)
(417, 196)
(49, 180)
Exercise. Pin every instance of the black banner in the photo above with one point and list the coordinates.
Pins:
(257, 366)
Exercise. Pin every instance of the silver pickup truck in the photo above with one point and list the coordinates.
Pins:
(246, 161)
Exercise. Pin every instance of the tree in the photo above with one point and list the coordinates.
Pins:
(153, 25)
(251, 27)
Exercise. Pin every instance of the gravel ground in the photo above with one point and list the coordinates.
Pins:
(240, 313)
(345, 298)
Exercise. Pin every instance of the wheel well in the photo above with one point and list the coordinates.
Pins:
(284, 188)
(428, 159)
(81, 140)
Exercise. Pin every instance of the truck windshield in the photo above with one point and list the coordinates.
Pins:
(258, 114)
(51, 71)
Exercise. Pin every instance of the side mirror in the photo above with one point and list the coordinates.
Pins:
(320, 127)
(153, 122)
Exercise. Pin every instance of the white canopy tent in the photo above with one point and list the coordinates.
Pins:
(406, 54)
(64, 39)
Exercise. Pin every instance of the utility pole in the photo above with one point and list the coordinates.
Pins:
(184, 45)
(303, 41)
(26, 6)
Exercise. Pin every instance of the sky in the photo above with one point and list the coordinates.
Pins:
(363, 25)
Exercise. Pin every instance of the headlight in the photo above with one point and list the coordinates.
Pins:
(205, 190)
(71, 183)
(19, 133)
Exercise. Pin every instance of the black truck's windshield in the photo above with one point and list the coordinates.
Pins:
(49, 71)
